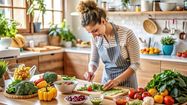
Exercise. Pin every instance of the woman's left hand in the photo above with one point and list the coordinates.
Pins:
(110, 84)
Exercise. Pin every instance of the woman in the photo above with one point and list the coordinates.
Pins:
(117, 46)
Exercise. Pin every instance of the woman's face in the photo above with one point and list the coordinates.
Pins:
(97, 29)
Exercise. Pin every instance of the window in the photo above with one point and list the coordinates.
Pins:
(17, 10)
(53, 15)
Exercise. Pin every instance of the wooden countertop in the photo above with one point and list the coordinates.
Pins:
(34, 101)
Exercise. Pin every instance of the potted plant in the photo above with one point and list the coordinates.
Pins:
(8, 30)
(3, 67)
(167, 45)
(42, 9)
(66, 35)
(54, 35)
(125, 4)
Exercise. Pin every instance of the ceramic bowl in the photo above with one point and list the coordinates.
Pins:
(167, 6)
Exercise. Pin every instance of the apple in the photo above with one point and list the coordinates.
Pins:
(145, 94)
(138, 96)
(131, 93)
(179, 54)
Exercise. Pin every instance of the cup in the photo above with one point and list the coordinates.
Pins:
(31, 43)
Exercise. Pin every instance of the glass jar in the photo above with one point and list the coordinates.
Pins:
(138, 8)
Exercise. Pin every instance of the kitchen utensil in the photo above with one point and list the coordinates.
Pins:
(150, 26)
(173, 29)
(166, 30)
(182, 35)
(149, 43)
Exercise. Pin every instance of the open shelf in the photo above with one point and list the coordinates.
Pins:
(148, 12)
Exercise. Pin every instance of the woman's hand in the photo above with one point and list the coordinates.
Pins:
(110, 84)
(89, 75)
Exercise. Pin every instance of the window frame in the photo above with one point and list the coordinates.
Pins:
(29, 18)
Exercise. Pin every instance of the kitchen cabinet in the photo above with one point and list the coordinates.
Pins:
(75, 64)
(51, 62)
(177, 66)
(148, 69)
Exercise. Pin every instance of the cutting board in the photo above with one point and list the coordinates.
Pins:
(82, 83)
(43, 49)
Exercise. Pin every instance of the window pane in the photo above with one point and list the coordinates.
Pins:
(20, 17)
(57, 5)
(57, 17)
(48, 4)
(5, 2)
(37, 16)
(6, 12)
(19, 3)
(47, 19)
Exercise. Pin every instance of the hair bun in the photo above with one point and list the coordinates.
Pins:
(85, 6)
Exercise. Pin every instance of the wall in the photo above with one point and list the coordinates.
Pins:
(134, 22)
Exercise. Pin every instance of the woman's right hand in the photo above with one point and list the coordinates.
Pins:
(89, 75)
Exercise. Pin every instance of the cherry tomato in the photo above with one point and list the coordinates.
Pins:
(89, 88)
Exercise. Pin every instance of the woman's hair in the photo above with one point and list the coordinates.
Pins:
(91, 14)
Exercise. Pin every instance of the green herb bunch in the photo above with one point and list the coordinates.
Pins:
(7, 27)
(3, 67)
(168, 40)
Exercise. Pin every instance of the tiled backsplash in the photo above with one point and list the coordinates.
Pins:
(135, 22)
(36, 38)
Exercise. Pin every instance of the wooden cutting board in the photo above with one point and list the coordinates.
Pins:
(43, 49)
(82, 83)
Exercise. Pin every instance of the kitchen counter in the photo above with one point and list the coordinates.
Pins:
(35, 101)
(87, 51)
(73, 49)
(164, 58)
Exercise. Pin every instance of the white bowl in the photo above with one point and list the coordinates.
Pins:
(75, 102)
(167, 6)
(64, 86)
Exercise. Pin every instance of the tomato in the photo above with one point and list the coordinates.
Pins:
(138, 96)
(158, 99)
(145, 94)
(153, 91)
(168, 100)
(131, 93)
(89, 88)
(38, 81)
(140, 90)
(164, 93)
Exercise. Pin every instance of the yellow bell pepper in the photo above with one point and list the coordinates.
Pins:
(47, 94)
(42, 84)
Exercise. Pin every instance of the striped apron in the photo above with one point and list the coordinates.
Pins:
(114, 62)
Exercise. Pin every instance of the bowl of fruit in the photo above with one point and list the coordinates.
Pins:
(65, 86)
(20, 71)
(76, 99)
